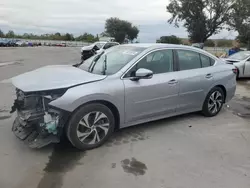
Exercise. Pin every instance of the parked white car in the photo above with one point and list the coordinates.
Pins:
(97, 47)
(241, 60)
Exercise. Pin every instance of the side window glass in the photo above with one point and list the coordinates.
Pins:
(205, 61)
(158, 62)
(108, 45)
(158, 56)
(212, 61)
(188, 60)
(149, 57)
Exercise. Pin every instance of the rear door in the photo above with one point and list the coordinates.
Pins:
(195, 76)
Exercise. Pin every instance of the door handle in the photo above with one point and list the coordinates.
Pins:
(209, 75)
(172, 82)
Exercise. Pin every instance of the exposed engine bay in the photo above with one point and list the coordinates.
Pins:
(87, 53)
(37, 123)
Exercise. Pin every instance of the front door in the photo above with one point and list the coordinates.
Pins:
(155, 97)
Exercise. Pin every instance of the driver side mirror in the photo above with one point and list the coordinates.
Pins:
(142, 74)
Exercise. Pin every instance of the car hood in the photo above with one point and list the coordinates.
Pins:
(54, 77)
(88, 48)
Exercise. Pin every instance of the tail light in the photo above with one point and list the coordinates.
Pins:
(235, 71)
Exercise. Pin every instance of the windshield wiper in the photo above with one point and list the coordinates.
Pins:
(104, 65)
(93, 63)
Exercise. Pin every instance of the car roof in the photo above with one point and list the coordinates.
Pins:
(153, 46)
(156, 46)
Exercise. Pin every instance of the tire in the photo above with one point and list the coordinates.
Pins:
(219, 94)
(77, 128)
(237, 75)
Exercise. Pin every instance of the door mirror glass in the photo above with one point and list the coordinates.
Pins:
(143, 74)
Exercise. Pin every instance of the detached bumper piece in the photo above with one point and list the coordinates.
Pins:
(33, 135)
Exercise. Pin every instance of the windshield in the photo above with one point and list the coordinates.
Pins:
(240, 55)
(112, 60)
(99, 44)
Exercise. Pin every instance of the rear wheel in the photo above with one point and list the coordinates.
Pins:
(213, 102)
(90, 126)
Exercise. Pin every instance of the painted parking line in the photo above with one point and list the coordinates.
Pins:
(9, 63)
(5, 81)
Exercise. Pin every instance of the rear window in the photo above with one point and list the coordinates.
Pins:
(212, 61)
(205, 61)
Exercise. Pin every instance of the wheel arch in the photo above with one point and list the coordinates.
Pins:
(223, 89)
(108, 104)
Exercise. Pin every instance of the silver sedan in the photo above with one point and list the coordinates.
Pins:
(123, 86)
(241, 60)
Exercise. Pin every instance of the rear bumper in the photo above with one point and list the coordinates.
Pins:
(230, 93)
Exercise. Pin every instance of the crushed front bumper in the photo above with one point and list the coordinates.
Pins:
(37, 123)
(33, 135)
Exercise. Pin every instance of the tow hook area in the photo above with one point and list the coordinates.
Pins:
(39, 133)
(50, 123)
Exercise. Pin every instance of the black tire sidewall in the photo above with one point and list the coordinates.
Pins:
(205, 110)
(238, 74)
(71, 129)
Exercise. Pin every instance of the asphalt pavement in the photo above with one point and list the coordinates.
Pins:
(187, 151)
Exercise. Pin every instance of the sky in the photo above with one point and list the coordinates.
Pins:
(79, 16)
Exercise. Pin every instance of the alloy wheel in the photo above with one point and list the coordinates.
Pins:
(93, 127)
(215, 102)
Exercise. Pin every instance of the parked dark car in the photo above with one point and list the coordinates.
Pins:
(12, 43)
(8, 43)
(3, 42)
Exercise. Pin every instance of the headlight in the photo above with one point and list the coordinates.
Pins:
(20, 95)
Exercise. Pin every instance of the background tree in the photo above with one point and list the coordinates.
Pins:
(57, 36)
(132, 33)
(240, 20)
(209, 43)
(104, 34)
(201, 18)
(1, 33)
(169, 39)
(119, 29)
(10, 34)
(87, 37)
(68, 37)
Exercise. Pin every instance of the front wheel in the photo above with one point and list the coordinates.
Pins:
(213, 102)
(90, 126)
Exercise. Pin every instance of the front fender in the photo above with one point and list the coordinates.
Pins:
(111, 91)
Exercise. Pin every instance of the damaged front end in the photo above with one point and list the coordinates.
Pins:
(37, 123)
